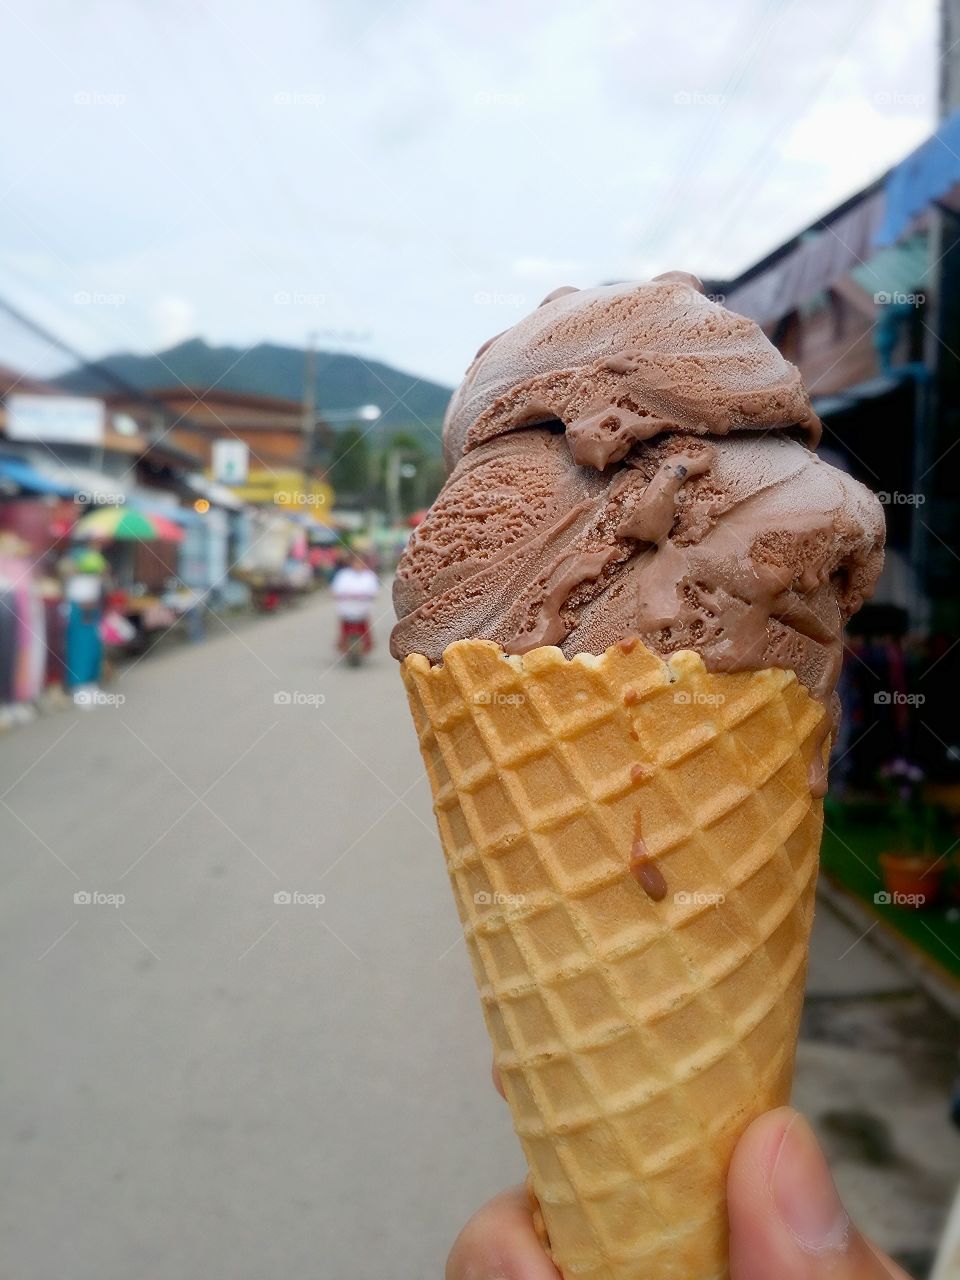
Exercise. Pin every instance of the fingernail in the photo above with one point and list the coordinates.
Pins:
(805, 1194)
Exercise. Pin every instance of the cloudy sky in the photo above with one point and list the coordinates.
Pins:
(406, 179)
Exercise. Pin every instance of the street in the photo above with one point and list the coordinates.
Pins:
(204, 1080)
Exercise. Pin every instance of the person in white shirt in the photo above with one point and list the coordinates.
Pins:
(354, 590)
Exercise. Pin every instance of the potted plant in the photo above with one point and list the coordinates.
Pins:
(912, 870)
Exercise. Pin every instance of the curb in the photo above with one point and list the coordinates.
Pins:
(941, 987)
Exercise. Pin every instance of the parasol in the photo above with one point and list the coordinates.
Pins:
(124, 524)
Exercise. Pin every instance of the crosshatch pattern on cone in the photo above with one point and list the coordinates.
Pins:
(635, 1038)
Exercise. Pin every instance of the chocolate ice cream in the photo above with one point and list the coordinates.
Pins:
(635, 460)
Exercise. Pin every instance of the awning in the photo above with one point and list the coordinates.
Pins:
(93, 485)
(148, 501)
(924, 177)
(822, 256)
(16, 472)
(217, 494)
(847, 241)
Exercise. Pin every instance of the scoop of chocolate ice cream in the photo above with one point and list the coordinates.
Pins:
(626, 462)
(623, 363)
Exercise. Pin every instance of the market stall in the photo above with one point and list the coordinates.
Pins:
(141, 566)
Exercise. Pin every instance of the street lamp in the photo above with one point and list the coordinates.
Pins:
(363, 413)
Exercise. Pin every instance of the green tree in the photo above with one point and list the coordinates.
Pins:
(350, 465)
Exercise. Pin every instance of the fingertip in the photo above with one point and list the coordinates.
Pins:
(786, 1216)
(756, 1153)
(756, 1250)
(500, 1243)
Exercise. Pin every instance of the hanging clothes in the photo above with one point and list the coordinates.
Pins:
(22, 631)
(8, 640)
(84, 657)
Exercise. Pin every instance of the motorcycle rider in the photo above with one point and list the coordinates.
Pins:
(354, 589)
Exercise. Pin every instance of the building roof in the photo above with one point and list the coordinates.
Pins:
(12, 380)
(165, 452)
(225, 396)
(809, 263)
(855, 237)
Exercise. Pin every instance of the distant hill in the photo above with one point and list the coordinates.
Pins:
(343, 381)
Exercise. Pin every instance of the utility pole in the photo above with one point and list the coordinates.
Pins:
(949, 87)
(936, 466)
(394, 464)
(309, 395)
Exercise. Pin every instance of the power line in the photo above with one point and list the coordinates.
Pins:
(679, 189)
(168, 416)
(96, 366)
(743, 188)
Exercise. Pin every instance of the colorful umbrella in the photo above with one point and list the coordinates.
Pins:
(124, 524)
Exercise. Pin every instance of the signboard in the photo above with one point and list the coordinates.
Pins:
(64, 419)
(231, 461)
(289, 491)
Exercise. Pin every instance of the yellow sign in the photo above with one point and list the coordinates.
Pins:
(289, 491)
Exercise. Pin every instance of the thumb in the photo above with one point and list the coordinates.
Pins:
(786, 1218)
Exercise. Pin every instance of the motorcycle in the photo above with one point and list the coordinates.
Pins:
(355, 640)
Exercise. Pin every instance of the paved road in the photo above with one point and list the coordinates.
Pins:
(204, 1082)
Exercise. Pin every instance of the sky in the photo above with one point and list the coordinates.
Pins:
(406, 179)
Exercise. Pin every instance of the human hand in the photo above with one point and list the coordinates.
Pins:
(786, 1219)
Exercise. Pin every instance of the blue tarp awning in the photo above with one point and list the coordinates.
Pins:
(924, 177)
(24, 476)
(180, 515)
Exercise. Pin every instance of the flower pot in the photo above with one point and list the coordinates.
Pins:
(911, 879)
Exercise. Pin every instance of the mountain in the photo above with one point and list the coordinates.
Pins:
(343, 382)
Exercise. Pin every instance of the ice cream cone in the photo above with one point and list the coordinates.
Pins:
(637, 1030)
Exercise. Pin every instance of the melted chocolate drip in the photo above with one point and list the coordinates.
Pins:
(646, 872)
(607, 435)
(568, 573)
(652, 517)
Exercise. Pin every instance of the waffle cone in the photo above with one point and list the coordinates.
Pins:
(636, 1039)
